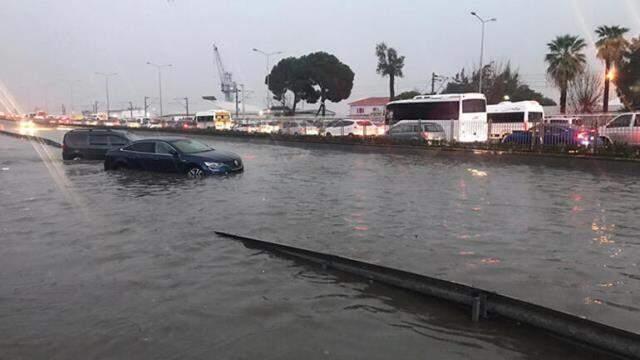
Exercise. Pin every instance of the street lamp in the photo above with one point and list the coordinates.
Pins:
(267, 55)
(159, 67)
(483, 21)
(71, 83)
(106, 85)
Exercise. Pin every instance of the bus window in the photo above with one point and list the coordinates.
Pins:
(446, 110)
(502, 118)
(474, 106)
(535, 116)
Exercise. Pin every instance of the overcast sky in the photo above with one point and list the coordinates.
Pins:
(48, 44)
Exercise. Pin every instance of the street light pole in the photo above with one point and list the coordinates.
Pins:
(481, 72)
(267, 55)
(106, 85)
(159, 67)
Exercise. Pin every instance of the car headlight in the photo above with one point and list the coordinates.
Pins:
(213, 165)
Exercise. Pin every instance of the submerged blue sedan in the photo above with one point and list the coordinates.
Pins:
(553, 134)
(174, 155)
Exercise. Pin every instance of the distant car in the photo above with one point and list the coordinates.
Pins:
(155, 124)
(575, 121)
(553, 134)
(417, 131)
(173, 155)
(624, 128)
(92, 144)
(298, 128)
(185, 124)
(270, 127)
(350, 128)
(248, 128)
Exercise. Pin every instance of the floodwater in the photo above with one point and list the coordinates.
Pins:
(125, 265)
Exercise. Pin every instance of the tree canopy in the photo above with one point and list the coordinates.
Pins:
(291, 75)
(389, 64)
(313, 77)
(332, 80)
(499, 81)
(406, 95)
(565, 62)
(628, 80)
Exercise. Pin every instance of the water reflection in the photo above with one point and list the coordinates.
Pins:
(427, 317)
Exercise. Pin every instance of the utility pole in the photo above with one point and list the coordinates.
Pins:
(433, 83)
(186, 104)
(243, 108)
(146, 107)
(481, 73)
(237, 102)
(159, 67)
(106, 85)
(95, 107)
(131, 109)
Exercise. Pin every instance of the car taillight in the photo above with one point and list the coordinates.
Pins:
(64, 147)
(425, 135)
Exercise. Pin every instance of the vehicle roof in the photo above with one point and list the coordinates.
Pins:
(508, 106)
(164, 138)
(211, 112)
(122, 132)
(439, 98)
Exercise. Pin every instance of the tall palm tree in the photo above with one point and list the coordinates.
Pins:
(389, 64)
(611, 46)
(566, 61)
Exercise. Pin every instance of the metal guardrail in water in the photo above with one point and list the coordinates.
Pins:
(482, 303)
(32, 138)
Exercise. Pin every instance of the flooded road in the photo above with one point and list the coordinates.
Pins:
(125, 264)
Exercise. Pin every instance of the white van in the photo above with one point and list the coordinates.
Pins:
(507, 117)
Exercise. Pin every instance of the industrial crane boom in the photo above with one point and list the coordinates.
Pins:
(227, 85)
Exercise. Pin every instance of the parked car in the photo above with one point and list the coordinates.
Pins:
(553, 134)
(624, 128)
(575, 121)
(350, 128)
(92, 144)
(185, 124)
(248, 128)
(155, 124)
(298, 128)
(269, 127)
(417, 131)
(174, 155)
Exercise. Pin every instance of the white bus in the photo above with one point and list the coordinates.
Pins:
(507, 117)
(214, 119)
(463, 116)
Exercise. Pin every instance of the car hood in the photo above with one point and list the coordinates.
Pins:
(214, 155)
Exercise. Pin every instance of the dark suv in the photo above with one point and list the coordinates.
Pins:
(92, 144)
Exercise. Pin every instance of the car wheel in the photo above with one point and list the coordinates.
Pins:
(76, 157)
(351, 135)
(328, 134)
(195, 173)
(605, 141)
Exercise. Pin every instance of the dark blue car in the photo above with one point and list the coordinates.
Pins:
(173, 155)
(553, 134)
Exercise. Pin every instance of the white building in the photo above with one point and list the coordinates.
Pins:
(370, 108)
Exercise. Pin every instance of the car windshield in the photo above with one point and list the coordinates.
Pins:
(188, 146)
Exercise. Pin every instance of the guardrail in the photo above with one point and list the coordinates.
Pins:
(483, 304)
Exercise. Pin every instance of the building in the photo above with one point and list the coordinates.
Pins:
(370, 108)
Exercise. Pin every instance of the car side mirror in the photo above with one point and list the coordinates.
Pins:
(173, 153)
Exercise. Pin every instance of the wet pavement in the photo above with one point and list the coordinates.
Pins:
(124, 264)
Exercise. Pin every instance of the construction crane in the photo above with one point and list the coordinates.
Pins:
(227, 85)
